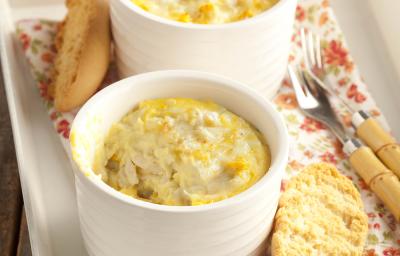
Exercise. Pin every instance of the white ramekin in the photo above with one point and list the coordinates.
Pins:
(115, 224)
(253, 51)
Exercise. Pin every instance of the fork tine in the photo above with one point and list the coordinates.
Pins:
(318, 54)
(312, 85)
(298, 89)
(311, 49)
(307, 83)
(304, 48)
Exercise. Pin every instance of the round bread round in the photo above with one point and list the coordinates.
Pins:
(320, 213)
(83, 56)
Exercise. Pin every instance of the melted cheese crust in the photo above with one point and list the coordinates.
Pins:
(205, 11)
(182, 152)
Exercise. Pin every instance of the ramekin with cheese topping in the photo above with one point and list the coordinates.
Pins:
(222, 128)
(181, 151)
(205, 11)
(246, 40)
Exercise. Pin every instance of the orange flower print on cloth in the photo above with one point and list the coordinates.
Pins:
(54, 115)
(376, 226)
(25, 40)
(310, 141)
(343, 82)
(308, 154)
(295, 165)
(286, 100)
(311, 125)
(323, 18)
(391, 251)
(338, 149)
(355, 94)
(362, 184)
(63, 128)
(346, 119)
(48, 57)
(300, 13)
(328, 157)
(337, 56)
(370, 252)
(44, 90)
(37, 27)
(375, 112)
(325, 3)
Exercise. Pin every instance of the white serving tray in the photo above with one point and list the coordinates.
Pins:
(45, 171)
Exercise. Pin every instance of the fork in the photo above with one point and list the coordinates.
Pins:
(366, 127)
(314, 103)
(314, 62)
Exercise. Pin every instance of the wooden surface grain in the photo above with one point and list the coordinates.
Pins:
(24, 247)
(14, 238)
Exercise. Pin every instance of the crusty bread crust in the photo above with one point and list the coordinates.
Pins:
(320, 213)
(74, 84)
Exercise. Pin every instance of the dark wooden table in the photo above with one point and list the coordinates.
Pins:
(14, 237)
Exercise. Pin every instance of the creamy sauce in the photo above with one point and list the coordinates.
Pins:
(205, 11)
(181, 152)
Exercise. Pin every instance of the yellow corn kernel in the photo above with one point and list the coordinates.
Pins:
(246, 14)
(115, 158)
(197, 200)
(206, 12)
(238, 165)
(208, 121)
(206, 8)
(225, 121)
(131, 191)
(200, 155)
(142, 4)
(257, 4)
(184, 17)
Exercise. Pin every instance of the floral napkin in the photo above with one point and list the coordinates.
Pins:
(310, 140)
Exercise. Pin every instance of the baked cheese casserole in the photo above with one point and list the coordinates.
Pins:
(205, 11)
(181, 151)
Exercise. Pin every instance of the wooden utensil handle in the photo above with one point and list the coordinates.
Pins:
(390, 156)
(381, 180)
(381, 142)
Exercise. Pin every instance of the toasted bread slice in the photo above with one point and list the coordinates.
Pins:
(83, 53)
(320, 213)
